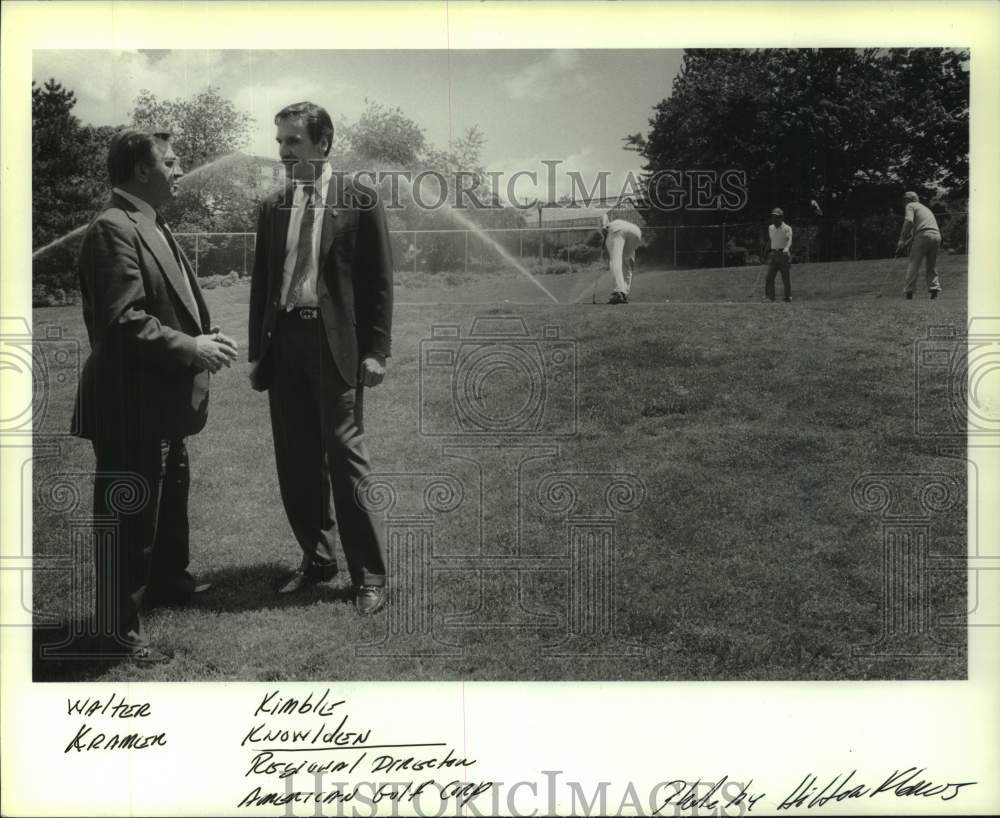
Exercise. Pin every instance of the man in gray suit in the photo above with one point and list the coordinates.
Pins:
(143, 389)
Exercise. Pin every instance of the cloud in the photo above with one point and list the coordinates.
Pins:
(552, 182)
(107, 82)
(542, 78)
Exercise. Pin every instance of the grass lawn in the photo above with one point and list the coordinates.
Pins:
(746, 423)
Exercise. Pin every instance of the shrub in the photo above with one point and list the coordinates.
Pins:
(44, 296)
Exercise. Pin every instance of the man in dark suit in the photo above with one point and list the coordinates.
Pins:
(320, 320)
(143, 389)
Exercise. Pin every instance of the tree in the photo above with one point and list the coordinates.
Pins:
(65, 186)
(204, 127)
(69, 183)
(207, 133)
(850, 128)
(381, 136)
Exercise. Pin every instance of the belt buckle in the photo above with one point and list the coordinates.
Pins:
(308, 313)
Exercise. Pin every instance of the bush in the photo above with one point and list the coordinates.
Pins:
(581, 253)
(44, 296)
(549, 267)
(955, 233)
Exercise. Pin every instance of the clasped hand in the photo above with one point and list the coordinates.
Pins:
(214, 351)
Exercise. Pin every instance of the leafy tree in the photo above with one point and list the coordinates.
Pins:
(850, 128)
(203, 128)
(207, 132)
(381, 136)
(68, 180)
(69, 183)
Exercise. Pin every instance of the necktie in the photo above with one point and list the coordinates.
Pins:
(304, 254)
(169, 238)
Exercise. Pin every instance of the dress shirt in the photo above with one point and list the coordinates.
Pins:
(307, 295)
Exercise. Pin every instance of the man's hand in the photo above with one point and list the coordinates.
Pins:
(372, 370)
(214, 351)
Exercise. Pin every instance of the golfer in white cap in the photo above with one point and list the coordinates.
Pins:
(622, 240)
(780, 257)
(920, 227)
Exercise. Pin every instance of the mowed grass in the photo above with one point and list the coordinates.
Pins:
(747, 424)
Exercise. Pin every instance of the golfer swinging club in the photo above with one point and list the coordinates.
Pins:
(622, 241)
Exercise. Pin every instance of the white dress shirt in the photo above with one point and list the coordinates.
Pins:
(307, 294)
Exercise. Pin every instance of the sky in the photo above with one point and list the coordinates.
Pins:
(575, 106)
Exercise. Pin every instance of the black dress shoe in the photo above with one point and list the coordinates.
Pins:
(131, 648)
(370, 599)
(934, 294)
(148, 655)
(301, 580)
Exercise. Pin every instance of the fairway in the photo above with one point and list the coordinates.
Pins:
(747, 424)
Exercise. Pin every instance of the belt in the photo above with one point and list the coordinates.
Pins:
(301, 313)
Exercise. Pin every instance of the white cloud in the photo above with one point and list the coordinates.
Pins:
(549, 184)
(107, 82)
(541, 78)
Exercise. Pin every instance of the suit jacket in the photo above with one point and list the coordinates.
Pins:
(140, 380)
(354, 281)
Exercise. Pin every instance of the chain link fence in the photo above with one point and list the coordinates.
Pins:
(733, 244)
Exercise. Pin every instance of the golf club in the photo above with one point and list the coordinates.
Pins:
(888, 272)
(760, 270)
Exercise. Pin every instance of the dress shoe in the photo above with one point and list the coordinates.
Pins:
(370, 599)
(148, 655)
(909, 296)
(617, 298)
(133, 648)
(934, 294)
(301, 580)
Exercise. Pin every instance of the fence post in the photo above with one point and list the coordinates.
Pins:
(520, 243)
(675, 245)
(541, 237)
(466, 252)
(723, 225)
(415, 252)
(244, 255)
(855, 225)
(196, 236)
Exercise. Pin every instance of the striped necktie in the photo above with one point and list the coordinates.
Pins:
(304, 257)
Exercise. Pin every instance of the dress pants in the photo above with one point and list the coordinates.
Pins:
(778, 260)
(141, 489)
(924, 248)
(316, 420)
